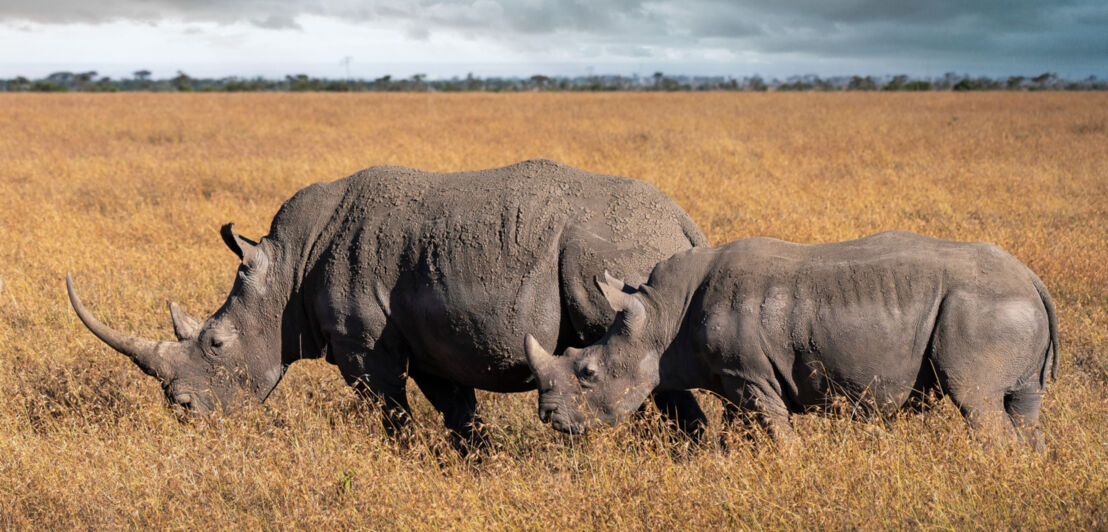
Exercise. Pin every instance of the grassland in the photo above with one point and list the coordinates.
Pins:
(128, 191)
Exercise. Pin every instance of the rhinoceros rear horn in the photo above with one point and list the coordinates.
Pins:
(150, 356)
(184, 326)
(242, 246)
(537, 357)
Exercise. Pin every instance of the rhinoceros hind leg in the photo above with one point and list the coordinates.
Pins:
(981, 349)
(984, 412)
(1023, 408)
(458, 406)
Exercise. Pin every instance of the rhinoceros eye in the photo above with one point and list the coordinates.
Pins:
(213, 344)
(587, 373)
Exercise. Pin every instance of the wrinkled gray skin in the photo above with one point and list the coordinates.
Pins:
(395, 272)
(779, 328)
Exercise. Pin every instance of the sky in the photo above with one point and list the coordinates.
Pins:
(446, 38)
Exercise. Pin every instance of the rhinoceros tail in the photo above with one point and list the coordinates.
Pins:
(1051, 358)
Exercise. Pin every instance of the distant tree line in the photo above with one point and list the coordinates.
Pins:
(91, 81)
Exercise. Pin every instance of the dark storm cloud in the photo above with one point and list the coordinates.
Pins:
(1014, 32)
(984, 30)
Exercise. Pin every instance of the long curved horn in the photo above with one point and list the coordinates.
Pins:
(148, 355)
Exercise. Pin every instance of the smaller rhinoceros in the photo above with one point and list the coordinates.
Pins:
(777, 328)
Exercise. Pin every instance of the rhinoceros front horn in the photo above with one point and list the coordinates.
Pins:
(150, 356)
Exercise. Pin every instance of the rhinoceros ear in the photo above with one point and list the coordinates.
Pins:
(614, 291)
(243, 247)
(620, 300)
(184, 326)
(612, 282)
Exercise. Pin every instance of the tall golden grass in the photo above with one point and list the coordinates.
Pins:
(128, 191)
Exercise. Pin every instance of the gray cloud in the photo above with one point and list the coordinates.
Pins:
(277, 22)
(628, 50)
(419, 33)
(942, 30)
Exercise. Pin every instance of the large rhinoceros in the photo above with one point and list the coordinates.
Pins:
(777, 327)
(395, 272)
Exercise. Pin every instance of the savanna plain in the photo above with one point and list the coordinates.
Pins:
(127, 192)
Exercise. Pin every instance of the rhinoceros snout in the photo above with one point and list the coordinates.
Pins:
(566, 426)
(559, 419)
(189, 403)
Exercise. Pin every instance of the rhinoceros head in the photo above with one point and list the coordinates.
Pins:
(604, 382)
(220, 362)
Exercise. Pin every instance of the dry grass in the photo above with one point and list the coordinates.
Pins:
(127, 192)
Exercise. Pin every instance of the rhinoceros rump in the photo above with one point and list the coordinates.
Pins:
(777, 328)
(394, 272)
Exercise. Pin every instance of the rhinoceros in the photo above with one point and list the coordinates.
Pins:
(778, 328)
(394, 272)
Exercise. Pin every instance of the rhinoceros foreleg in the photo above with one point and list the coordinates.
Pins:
(682, 408)
(378, 376)
(766, 405)
(458, 406)
(732, 423)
